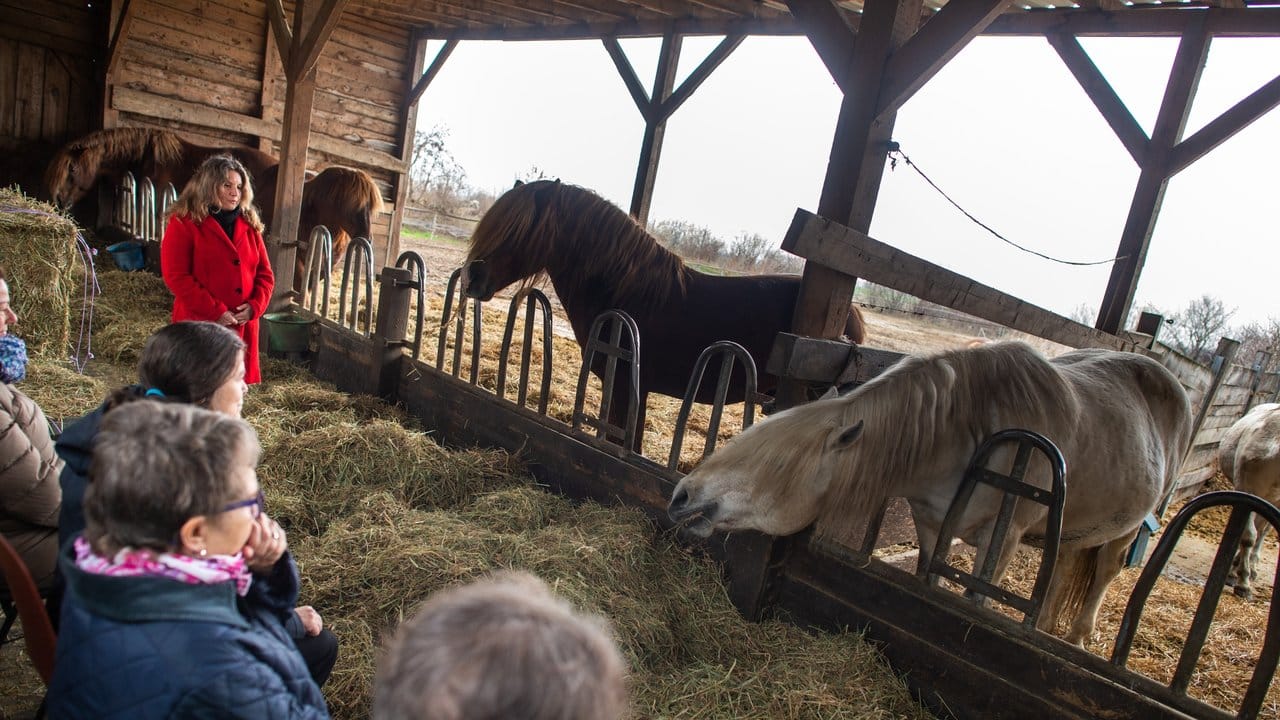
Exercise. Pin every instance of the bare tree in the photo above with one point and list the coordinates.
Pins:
(1199, 323)
(435, 177)
(1259, 337)
(1085, 314)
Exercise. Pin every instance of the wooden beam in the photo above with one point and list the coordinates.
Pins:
(1188, 65)
(417, 56)
(639, 95)
(273, 74)
(282, 243)
(415, 93)
(118, 34)
(1104, 98)
(655, 128)
(936, 43)
(700, 74)
(829, 33)
(319, 24)
(1165, 21)
(159, 106)
(854, 253)
(1213, 134)
(280, 31)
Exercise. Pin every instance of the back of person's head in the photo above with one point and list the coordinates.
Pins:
(186, 362)
(156, 465)
(501, 647)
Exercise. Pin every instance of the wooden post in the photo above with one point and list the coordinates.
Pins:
(390, 327)
(1261, 362)
(409, 118)
(655, 127)
(282, 244)
(1222, 358)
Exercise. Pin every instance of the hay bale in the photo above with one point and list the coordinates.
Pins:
(46, 278)
(60, 391)
(132, 306)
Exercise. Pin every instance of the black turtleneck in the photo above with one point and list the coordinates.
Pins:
(227, 219)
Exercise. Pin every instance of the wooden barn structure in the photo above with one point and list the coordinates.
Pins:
(321, 82)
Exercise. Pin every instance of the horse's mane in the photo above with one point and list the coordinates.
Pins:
(545, 221)
(343, 187)
(923, 407)
(131, 145)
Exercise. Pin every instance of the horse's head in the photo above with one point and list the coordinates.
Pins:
(774, 477)
(511, 242)
(72, 173)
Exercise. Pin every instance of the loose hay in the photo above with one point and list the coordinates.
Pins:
(691, 654)
(132, 306)
(45, 277)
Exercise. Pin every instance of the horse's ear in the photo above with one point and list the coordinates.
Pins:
(519, 182)
(846, 436)
(832, 392)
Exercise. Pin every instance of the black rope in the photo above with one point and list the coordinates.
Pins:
(895, 152)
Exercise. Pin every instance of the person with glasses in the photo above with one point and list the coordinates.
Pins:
(198, 363)
(167, 612)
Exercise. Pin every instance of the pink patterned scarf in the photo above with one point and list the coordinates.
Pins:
(130, 562)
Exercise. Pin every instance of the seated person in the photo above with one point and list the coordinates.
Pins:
(501, 647)
(29, 493)
(176, 592)
(200, 363)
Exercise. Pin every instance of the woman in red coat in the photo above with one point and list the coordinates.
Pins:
(213, 258)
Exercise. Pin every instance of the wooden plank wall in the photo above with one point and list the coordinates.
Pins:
(48, 86)
(208, 72)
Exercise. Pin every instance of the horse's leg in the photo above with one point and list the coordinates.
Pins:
(1110, 558)
(1002, 560)
(1245, 566)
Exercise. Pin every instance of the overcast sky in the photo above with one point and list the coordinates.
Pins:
(1004, 129)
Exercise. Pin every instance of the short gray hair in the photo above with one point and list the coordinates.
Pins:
(503, 646)
(155, 466)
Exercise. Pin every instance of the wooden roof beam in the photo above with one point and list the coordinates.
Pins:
(1113, 109)
(1188, 66)
(280, 29)
(1259, 103)
(320, 20)
(932, 47)
(119, 32)
(700, 74)
(639, 95)
(1163, 21)
(437, 64)
(831, 35)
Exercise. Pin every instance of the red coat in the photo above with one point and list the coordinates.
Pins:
(209, 274)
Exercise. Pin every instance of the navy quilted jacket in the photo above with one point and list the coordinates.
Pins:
(142, 647)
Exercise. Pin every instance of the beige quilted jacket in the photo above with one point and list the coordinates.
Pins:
(29, 492)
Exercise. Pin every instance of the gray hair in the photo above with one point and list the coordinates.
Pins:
(501, 647)
(157, 465)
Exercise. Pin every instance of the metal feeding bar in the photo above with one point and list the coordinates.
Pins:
(412, 261)
(319, 270)
(460, 328)
(534, 300)
(1015, 489)
(363, 248)
(1243, 507)
(622, 345)
(729, 353)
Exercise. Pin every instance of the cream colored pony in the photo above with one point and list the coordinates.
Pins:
(1121, 421)
(1249, 456)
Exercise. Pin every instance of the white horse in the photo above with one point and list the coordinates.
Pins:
(1249, 456)
(1121, 420)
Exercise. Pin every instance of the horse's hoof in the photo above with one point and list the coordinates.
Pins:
(1243, 592)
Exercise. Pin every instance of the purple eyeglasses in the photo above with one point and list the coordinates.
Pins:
(254, 502)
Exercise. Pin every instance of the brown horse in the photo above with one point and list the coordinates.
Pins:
(158, 154)
(342, 199)
(598, 258)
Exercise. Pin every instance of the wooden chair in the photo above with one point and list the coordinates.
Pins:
(36, 628)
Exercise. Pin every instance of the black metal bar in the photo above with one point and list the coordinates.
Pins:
(730, 353)
(413, 261)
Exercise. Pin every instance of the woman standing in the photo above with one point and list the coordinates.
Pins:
(213, 258)
(168, 613)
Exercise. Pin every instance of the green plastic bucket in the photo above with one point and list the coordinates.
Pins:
(288, 332)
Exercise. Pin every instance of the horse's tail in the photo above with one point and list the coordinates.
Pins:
(855, 328)
(1077, 585)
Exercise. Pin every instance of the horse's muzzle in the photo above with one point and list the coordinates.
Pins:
(476, 282)
(695, 518)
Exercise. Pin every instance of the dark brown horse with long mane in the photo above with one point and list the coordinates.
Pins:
(340, 198)
(158, 154)
(598, 258)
